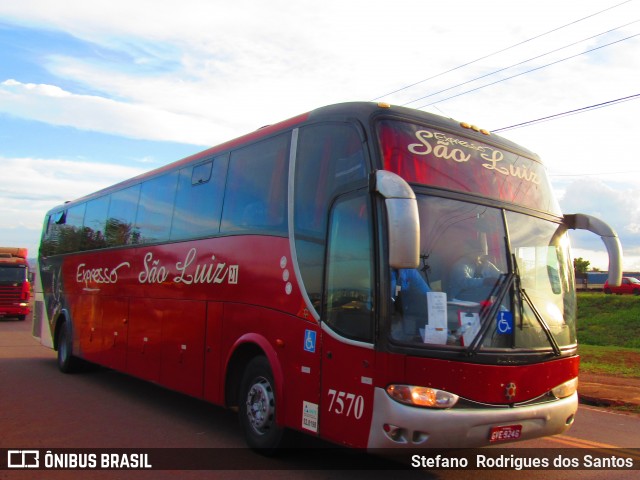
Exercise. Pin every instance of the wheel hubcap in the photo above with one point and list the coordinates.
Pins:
(260, 406)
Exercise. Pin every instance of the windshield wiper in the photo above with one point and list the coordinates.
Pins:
(536, 312)
(541, 321)
(498, 292)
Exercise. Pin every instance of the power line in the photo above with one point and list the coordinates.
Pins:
(520, 63)
(531, 70)
(569, 112)
(599, 174)
(503, 50)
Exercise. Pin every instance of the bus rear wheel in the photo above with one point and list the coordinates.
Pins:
(67, 363)
(257, 407)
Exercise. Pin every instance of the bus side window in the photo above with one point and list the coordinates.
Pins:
(256, 192)
(50, 243)
(119, 229)
(199, 199)
(71, 233)
(329, 156)
(157, 195)
(350, 270)
(95, 220)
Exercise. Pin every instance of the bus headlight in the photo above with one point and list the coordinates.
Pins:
(422, 396)
(566, 389)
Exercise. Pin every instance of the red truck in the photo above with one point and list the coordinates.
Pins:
(15, 289)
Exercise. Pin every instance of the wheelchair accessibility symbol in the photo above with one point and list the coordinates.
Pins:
(505, 323)
(309, 341)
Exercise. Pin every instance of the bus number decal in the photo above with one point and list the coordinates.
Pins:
(343, 403)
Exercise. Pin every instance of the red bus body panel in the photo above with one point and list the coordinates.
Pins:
(488, 383)
(175, 314)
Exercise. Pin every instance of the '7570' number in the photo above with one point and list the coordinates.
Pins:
(343, 403)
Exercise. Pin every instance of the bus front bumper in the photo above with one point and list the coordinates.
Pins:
(395, 425)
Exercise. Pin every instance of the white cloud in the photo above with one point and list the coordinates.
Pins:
(619, 207)
(51, 104)
(44, 183)
(598, 259)
(200, 71)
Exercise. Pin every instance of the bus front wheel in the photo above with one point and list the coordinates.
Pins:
(257, 407)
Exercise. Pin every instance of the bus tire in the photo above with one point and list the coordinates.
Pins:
(257, 407)
(67, 363)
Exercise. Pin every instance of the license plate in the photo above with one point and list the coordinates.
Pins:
(505, 433)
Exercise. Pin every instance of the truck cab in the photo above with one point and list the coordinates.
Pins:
(15, 288)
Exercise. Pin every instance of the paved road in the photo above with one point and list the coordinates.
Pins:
(42, 408)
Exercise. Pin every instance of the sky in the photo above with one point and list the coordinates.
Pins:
(93, 91)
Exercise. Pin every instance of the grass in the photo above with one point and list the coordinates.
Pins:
(609, 320)
(609, 334)
(618, 361)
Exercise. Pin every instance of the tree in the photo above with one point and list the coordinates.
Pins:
(580, 265)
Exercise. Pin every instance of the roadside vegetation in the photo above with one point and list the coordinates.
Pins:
(609, 334)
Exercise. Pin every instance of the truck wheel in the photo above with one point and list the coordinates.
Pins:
(257, 407)
(67, 363)
(607, 291)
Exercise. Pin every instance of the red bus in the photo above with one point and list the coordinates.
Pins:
(369, 274)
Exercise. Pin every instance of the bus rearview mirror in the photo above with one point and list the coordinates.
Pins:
(402, 220)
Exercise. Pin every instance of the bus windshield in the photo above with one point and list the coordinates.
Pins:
(489, 279)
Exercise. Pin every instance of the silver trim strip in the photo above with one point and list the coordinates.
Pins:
(292, 242)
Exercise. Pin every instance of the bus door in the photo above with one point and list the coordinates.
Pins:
(348, 357)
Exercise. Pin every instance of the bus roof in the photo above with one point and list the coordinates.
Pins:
(364, 112)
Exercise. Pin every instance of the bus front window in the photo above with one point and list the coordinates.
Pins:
(468, 291)
(540, 249)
